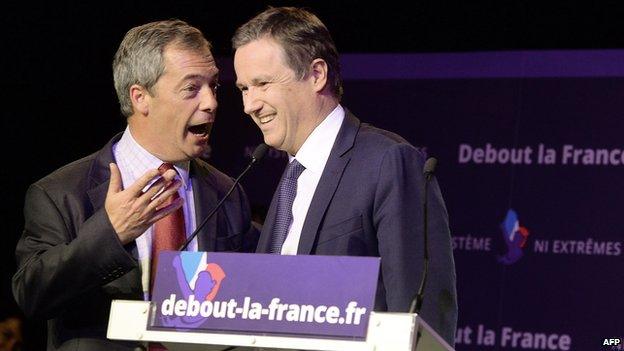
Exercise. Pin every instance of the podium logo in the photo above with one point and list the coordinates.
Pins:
(198, 277)
(515, 237)
(198, 281)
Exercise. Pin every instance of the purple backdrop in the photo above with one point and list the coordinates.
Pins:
(530, 164)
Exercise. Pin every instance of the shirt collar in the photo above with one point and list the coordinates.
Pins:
(142, 160)
(314, 152)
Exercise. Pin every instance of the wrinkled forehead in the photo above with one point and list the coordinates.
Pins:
(176, 58)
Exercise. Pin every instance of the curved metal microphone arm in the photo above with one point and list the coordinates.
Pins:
(256, 156)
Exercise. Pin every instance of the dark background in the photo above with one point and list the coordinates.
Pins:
(58, 98)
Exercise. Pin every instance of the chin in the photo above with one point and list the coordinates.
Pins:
(194, 154)
(272, 143)
(199, 152)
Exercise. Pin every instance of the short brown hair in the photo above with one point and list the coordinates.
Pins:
(301, 34)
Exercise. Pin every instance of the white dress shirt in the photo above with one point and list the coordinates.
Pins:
(133, 161)
(313, 155)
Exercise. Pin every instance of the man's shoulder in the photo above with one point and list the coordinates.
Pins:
(68, 177)
(378, 142)
(373, 134)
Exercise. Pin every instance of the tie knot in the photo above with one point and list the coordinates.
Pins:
(165, 167)
(294, 169)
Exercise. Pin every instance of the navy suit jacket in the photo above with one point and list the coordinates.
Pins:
(368, 202)
(71, 263)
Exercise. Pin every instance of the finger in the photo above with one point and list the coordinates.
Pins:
(157, 201)
(169, 175)
(158, 193)
(115, 184)
(137, 187)
(157, 186)
(154, 189)
(165, 211)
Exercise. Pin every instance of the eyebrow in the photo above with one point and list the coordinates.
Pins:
(199, 76)
(254, 81)
(193, 76)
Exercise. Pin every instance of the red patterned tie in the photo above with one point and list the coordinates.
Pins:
(169, 232)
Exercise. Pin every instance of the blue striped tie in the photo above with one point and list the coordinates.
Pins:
(287, 192)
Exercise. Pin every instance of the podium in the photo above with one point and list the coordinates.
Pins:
(386, 332)
(236, 301)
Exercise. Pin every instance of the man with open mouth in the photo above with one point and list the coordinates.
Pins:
(94, 228)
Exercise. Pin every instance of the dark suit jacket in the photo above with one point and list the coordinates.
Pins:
(71, 263)
(368, 202)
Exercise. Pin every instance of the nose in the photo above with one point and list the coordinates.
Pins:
(251, 102)
(208, 101)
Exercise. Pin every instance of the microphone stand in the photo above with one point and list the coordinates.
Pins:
(256, 156)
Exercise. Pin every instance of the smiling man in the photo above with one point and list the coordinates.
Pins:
(349, 188)
(94, 228)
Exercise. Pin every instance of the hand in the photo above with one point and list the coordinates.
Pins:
(132, 211)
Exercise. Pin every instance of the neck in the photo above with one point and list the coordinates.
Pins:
(321, 110)
(326, 106)
(140, 134)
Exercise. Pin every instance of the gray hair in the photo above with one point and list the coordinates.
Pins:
(302, 36)
(139, 59)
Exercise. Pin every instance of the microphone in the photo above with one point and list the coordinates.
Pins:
(417, 301)
(256, 156)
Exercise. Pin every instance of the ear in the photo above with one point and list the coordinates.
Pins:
(318, 70)
(140, 99)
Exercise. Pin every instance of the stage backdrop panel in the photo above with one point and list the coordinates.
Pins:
(531, 165)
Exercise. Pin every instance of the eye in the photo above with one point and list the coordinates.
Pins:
(191, 87)
(215, 87)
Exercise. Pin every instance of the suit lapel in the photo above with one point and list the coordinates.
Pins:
(99, 174)
(334, 168)
(205, 199)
